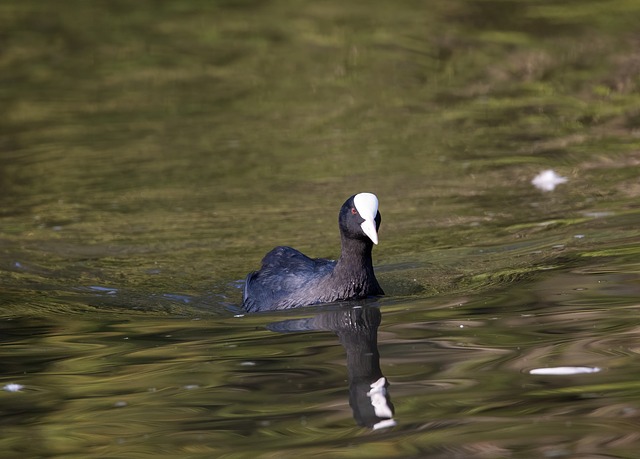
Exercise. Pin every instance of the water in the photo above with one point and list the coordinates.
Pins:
(153, 152)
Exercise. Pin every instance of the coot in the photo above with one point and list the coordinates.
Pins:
(288, 278)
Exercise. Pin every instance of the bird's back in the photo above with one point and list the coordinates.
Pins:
(287, 279)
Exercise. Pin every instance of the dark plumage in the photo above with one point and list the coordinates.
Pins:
(288, 278)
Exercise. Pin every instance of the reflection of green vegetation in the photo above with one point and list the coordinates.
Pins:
(510, 275)
(164, 146)
(613, 252)
(167, 135)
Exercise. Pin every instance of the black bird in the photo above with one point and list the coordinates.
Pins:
(288, 278)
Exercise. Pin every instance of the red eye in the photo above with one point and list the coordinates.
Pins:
(354, 211)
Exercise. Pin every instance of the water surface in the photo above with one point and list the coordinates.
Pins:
(151, 153)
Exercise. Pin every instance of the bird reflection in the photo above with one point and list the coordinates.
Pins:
(357, 331)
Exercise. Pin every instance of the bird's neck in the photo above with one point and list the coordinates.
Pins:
(355, 256)
(354, 270)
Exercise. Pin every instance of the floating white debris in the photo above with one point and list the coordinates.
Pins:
(13, 387)
(548, 180)
(560, 371)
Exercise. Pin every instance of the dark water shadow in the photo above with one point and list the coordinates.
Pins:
(357, 331)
